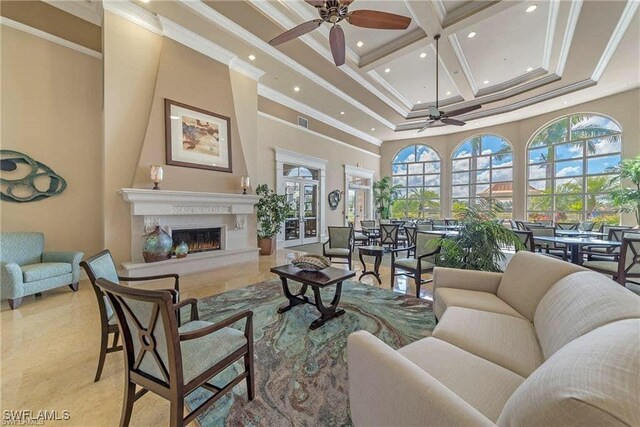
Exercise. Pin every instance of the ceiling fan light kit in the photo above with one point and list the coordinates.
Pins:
(335, 11)
(435, 114)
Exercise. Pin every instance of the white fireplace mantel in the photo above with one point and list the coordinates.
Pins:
(168, 202)
(175, 210)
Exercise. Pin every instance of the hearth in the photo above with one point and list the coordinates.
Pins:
(198, 239)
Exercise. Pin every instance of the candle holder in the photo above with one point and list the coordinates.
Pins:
(245, 183)
(156, 176)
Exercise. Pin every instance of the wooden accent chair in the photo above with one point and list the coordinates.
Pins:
(567, 225)
(359, 238)
(526, 237)
(101, 265)
(389, 235)
(547, 247)
(340, 244)
(174, 361)
(370, 230)
(410, 233)
(424, 226)
(627, 264)
(606, 253)
(422, 261)
(587, 225)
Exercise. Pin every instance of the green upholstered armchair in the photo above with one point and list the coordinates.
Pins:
(423, 260)
(339, 245)
(27, 269)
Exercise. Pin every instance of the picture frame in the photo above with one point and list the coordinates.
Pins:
(197, 138)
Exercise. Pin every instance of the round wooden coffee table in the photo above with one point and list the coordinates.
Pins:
(375, 251)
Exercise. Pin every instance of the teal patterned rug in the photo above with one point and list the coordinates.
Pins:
(301, 375)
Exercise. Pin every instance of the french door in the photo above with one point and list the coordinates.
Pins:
(356, 206)
(301, 224)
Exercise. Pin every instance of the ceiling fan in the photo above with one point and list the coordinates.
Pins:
(436, 115)
(334, 11)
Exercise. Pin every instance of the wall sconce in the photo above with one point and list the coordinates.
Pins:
(156, 175)
(245, 183)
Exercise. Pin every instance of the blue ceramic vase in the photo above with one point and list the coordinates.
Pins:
(157, 246)
(181, 250)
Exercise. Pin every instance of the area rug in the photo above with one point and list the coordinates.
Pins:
(301, 375)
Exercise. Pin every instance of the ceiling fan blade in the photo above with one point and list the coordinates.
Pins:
(315, 3)
(379, 20)
(427, 126)
(336, 40)
(295, 32)
(463, 110)
(454, 122)
(346, 2)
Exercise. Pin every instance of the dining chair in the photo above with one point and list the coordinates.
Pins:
(439, 222)
(586, 225)
(389, 235)
(627, 264)
(359, 237)
(526, 237)
(549, 248)
(339, 245)
(425, 226)
(410, 232)
(520, 225)
(101, 265)
(173, 361)
(606, 253)
(425, 252)
(567, 225)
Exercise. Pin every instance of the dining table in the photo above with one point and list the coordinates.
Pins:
(579, 233)
(575, 244)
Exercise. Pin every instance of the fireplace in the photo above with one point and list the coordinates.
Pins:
(198, 239)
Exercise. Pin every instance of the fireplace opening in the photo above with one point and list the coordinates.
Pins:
(198, 239)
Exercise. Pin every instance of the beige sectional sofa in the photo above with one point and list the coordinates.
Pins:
(547, 343)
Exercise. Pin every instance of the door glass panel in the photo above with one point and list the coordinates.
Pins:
(292, 223)
(351, 207)
(310, 210)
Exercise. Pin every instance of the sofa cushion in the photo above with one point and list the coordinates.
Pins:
(528, 277)
(44, 270)
(579, 303)
(22, 248)
(412, 264)
(450, 297)
(505, 340)
(482, 384)
(592, 381)
(337, 252)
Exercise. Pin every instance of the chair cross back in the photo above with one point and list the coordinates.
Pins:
(389, 234)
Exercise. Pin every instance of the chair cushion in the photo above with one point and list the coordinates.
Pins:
(611, 266)
(44, 270)
(337, 252)
(505, 340)
(450, 297)
(412, 264)
(592, 381)
(482, 384)
(200, 354)
(528, 277)
(578, 304)
(360, 236)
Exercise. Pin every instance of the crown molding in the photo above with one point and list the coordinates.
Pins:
(282, 20)
(358, 171)
(385, 84)
(567, 40)
(90, 11)
(134, 13)
(49, 37)
(552, 19)
(194, 41)
(466, 69)
(312, 132)
(618, 33)
(294, 104)
(233, 28)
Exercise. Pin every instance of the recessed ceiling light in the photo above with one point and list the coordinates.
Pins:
(531, 8)
(296, 88)
(423, 55)
(471, 35)
(145, 1)
(419, 102)
(342, 113)
(360, 44)
(565, 102)
(373, 128)
(477, 124)
(386, 70)
(448, 92)
(486, 82)
(529, 69)
(252, 57)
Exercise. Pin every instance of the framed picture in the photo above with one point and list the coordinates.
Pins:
(197, 138)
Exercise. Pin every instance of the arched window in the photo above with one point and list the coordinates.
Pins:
(570, 169)
(416, 173)
(482, 168)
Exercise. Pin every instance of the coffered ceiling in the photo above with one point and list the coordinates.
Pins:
(514, 58)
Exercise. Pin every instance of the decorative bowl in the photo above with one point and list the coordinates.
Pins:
(311, 262)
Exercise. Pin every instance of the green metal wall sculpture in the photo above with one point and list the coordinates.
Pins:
(27, 180)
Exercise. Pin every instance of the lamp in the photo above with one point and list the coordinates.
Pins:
(245, 183)
(156, 175)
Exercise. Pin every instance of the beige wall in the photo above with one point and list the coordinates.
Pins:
(623, 107)
(273, 133)
(52, 111)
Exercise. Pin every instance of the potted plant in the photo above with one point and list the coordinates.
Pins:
(627, 199)
(384, 194)
(480, 241)
(271, 212)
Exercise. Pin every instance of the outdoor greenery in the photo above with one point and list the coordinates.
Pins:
(627, 199)
(271, 212)
(384, 195)
(420, 204)
(480, 241)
